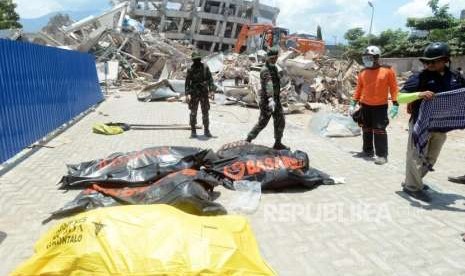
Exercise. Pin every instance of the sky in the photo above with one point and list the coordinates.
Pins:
(334, 16)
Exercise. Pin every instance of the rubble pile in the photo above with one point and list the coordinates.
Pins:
(144, 55)
(320, 78)
(144, 60)
(402, 78)
(305, 78)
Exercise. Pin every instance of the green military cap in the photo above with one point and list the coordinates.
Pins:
(196, 55)
(272, 52)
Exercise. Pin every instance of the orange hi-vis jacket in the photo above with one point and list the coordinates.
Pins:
(374, 86)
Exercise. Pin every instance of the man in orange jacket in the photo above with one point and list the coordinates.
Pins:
(374, 84)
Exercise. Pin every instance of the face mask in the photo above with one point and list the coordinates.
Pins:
(368, 61)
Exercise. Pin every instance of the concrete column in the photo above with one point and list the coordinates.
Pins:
(222, 31)
(133, 4)
(120, 20)
(220, 10)
(163, 17)
(256, 11)
(212, 48)
(233, 31)
(146, 8)
(195, 18)
(197, 29)
(217, 28)
(181, 24)
(135, 48)
(223, 28)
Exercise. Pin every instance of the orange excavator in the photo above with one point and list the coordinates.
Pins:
(269, 36)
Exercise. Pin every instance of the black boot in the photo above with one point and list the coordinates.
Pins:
(280, 146)
(457, 179)
(207, 133)
(193, 133)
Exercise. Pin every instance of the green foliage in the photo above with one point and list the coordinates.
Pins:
(441, 12)
(431, 23)
(442, 26)
(8, 17)
(354, 34)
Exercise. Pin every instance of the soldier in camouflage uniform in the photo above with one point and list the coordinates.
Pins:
(199, 83)
(270, 103)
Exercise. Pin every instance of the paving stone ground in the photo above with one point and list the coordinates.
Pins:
(363, 227)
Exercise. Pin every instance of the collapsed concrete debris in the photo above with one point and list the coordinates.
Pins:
(304, 79)
(211, 26)
(155, 62)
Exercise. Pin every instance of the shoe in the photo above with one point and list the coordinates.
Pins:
(208, 134)
(381, 160)
(193, 134)
(248, 139)
(457, 179)
(364, 155)
(425, 186)
(280, 146)
(420, 195)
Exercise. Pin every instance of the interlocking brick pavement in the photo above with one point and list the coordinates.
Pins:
(363, 227)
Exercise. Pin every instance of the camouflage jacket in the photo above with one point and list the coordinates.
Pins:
(199, 80)
(270, 84)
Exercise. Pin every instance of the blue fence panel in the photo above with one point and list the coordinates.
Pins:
(41, 88)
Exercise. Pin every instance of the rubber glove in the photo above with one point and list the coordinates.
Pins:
(394, 111)
(271, 104)
(353, 104)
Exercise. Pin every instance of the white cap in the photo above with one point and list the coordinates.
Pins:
(372, 50)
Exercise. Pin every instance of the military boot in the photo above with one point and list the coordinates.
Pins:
(207, 133)
(193, 133)
(280, 146)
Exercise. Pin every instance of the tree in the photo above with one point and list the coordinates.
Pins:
(442, 26)
(439, 11)
(354, 34)
(437, 25)
(8, 16)
(392, 42)
(319, 35)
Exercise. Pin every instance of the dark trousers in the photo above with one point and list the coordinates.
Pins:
(194, 106)
(265, 116)
(374, 123)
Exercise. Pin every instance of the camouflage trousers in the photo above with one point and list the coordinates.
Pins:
(265, 116)
(194, 106)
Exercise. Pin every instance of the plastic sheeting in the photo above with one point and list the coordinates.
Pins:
(246, 197)
(188, 190)
(274, 169)
(146, 240)
(158, 91)
(334, 125)
(179, 86)
(215, 62)
(133, 168)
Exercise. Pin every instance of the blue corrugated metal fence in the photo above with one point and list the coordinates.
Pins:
(41, 88)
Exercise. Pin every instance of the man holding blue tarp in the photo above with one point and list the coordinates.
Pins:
(430, 121)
